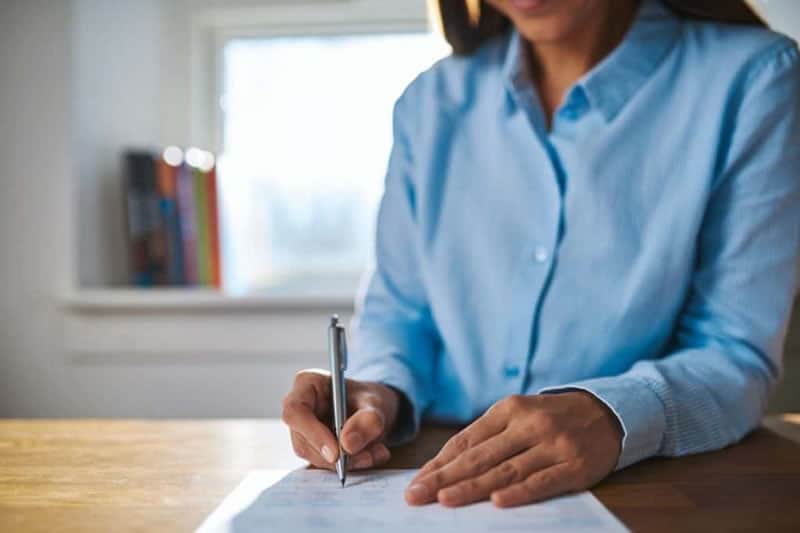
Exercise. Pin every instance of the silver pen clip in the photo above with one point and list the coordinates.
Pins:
(343, 347)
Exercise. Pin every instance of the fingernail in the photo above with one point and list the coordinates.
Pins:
(356, 441)
(418, 492)
(496, 499)
(327, 453)
(450, 494)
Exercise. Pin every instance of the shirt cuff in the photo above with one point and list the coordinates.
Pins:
(638, 409)
(396, 375)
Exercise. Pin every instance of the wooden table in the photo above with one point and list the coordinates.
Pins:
(125, 475)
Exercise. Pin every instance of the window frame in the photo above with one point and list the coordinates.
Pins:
(212, 29)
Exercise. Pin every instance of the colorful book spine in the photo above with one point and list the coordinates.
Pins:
(186, 209)
(171, 220)
(201, 221)
(214, 228)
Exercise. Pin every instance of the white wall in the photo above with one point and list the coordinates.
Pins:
(78, 80)
(783, 15)
(35, 172)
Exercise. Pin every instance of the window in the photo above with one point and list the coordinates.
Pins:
(306, 135)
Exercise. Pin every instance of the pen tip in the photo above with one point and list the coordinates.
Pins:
(342, 480)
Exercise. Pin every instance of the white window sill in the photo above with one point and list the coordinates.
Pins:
(120, 299)
(192, 326)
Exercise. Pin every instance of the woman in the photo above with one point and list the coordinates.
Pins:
(586, 248)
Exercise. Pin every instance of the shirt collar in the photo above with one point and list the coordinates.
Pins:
(613, 81)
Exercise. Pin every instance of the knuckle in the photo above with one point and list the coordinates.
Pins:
(513, 402)
(299, 447)
(480, 460)
(543, 422)
(542, 482)
(373, 399)
(567, 445)
(510, 473)
(372, 419)
(288, 407)
(472, 487)
(460, 443)
(434, 464)
(437, 478)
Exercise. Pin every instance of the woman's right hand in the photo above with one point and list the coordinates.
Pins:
(372, 410)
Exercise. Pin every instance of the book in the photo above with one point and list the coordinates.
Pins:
(146, 240)
(171, 221)
(214, 227)
(201, 219)
(186, 208)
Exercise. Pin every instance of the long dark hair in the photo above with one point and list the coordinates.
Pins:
(465, 34)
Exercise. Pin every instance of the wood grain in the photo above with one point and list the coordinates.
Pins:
(129, 475)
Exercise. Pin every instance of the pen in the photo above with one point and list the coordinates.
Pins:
(337, 350)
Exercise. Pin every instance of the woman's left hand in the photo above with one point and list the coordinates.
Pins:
(522, 450)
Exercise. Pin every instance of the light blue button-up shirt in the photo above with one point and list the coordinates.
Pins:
(642, 249)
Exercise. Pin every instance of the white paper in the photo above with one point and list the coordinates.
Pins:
(306, 500)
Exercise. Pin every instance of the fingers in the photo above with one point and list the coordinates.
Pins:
(470, 464)
(547, 483)
(375, 455)
(507, 473)
(361, 438)
(524, 449)
(301, 420)
(301, 410)
(485, 427)
(306, 451)
(364, 427)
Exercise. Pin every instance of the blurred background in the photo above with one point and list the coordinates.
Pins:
(277, 115)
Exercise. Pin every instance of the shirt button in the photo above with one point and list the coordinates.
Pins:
(511, 371)
(540, 254)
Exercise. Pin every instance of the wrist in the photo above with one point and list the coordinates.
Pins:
(606, 416)
(402, 414)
